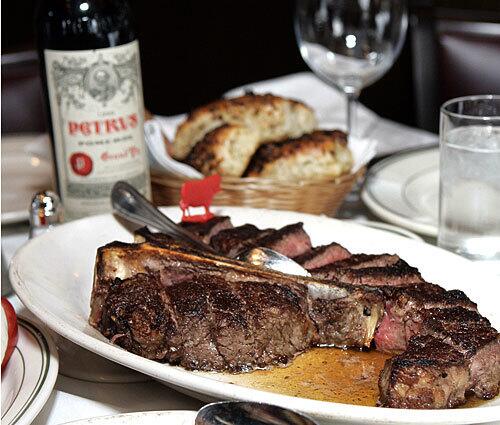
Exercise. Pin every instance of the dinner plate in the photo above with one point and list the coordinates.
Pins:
(389, 228)
(26, 169)
(30, 375)
(57, 287)
(167, 417)
(404, 190)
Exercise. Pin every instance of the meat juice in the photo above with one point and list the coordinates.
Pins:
(324, 374)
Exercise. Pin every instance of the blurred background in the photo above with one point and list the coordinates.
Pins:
(194, 51)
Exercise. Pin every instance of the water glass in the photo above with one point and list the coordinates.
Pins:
(469, 190)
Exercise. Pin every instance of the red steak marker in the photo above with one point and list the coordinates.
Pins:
(199, 193)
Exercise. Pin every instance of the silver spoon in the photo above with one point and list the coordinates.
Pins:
(271, 259)
(249, 413)
(131, 205)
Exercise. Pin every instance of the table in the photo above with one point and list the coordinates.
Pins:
(74, 399)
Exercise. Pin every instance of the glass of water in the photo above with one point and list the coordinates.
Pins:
(469, 191)
(350, 44)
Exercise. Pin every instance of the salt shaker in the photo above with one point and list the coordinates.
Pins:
(46, 211)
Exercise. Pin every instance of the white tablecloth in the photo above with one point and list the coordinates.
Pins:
(74, 399)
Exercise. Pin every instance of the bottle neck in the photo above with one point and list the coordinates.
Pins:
(83, 24)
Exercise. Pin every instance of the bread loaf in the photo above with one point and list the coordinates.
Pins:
(272, 117)
(319, 155)
(226, 150)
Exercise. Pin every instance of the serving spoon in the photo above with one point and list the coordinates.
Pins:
(128, 203)
(248, 413)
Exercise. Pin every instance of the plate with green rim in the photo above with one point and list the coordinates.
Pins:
(29, 376)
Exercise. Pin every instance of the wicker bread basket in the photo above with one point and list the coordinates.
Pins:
(323, 197)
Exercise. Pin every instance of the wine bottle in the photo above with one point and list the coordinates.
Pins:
(90, 69)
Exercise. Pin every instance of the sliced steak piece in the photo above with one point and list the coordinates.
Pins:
(206, 231)
(203, 231)
(345, 322)
(322, 255)
(397, 274)
(472, 335)
(136, 315)
(363, 261)
(343, 315)
(230, 242)
(291, 240)
(233, 326)
(430, 374)
(145, 235)
(405, 310)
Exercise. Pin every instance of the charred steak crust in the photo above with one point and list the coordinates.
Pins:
(290, 240)
(472, 335)
(206, 231)
(452, 319)
(429, 374)
(457, 352)
(146, 298)
(322, 255)
(234, 326)
(363, 261)
(203, 231)
(230, 242)
(325, 313)
(397, 273)
(405, 310)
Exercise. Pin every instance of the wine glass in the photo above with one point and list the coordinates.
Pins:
(350, 43)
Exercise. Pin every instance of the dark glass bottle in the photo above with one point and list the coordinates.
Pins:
(90, 68)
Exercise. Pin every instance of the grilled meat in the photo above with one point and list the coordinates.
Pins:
(232, 326)
(290, 240)
(370, 270)
(428, 375)
(364, 261)
(472, 335)
(206, 231)
(322, 314)
(230, 242)
(203, 231)
(322, 255)
(405, 310)
(456, 352)
(166, 301)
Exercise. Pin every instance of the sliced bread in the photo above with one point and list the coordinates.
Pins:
(273, 117)
(319, 155)
(226, 150)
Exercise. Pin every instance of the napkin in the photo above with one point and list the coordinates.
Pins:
(327, 103)
(378, 136)
(159, 159)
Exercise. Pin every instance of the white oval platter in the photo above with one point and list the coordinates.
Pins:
(167, 417)
(52, 275)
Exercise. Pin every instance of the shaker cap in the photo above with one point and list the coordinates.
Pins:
(45, 210)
